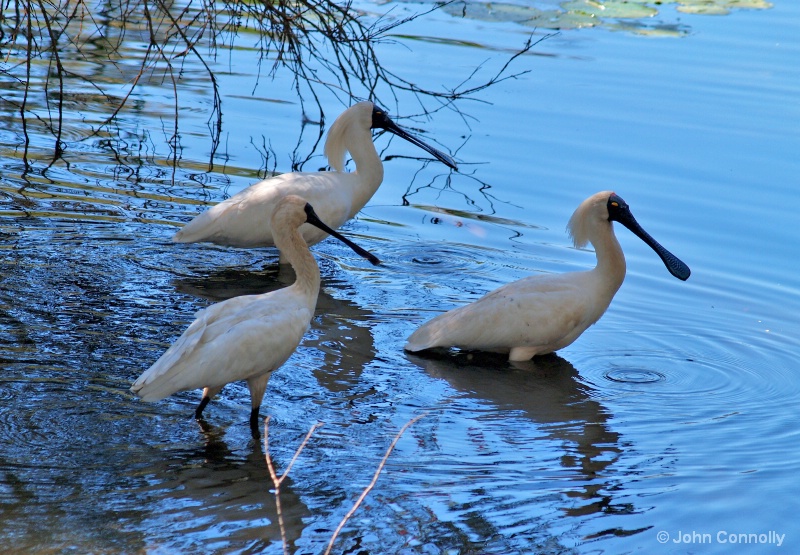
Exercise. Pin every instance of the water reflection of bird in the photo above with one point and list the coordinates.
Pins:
(547, 390)
(541, 314)
(338, 195)
(247, 337)
(219, 490)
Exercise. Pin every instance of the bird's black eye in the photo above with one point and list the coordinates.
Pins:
(616, 206)
(380, 120)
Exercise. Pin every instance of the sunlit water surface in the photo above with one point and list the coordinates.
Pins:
(676, 414)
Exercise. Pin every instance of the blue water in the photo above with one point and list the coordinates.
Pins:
(675, 414)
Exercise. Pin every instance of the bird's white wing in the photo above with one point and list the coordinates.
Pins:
(243, 220)
(539, 311)
(229, 341)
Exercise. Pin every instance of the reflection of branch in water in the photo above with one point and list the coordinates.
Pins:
(324, 44)
(464, 89)
(277, 481)
(68, 36)
(480, 213)
(372, 483)
(483, 189)
(298, 159)
(267, 153)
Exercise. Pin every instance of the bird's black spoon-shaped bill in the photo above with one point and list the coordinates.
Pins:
(381, 121)
(619, 211)
(313, 219)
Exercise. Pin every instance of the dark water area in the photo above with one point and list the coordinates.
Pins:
(668, 427)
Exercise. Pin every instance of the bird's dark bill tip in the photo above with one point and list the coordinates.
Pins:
(680, 270)
(313, 219)
(364, 253)
(448, 161)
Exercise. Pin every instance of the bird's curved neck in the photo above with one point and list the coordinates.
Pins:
(368, 164)
(610, 259)
(294, 250)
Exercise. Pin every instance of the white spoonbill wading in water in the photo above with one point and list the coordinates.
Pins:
(247, 337)
(336, 195)
(544, 313)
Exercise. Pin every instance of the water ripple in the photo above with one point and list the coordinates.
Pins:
(634, 375)
(715, 370)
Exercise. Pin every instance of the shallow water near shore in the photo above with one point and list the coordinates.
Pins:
(671, 421)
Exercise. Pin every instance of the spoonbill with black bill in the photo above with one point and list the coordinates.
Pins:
(540, 314)
(247, 337)
(337, 195)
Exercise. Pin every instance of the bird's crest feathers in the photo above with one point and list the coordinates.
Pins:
(587, 216)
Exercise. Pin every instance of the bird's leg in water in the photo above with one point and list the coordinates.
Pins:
(208, 393)
(254, 421)
(198, 413)
(257, 386)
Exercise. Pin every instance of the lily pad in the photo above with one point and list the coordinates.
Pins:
(615, 9)
(557, 20)
(720, 7)
(611, 14)
(661, 30)
(522, 15)
(492, 11)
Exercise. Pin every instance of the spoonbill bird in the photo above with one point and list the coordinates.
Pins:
(544, 313)
(337, 195)
(247, 337)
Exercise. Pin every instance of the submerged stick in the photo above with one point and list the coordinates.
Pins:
(371, 485)
(278, 481)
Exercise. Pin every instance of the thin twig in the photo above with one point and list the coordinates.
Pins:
(324, 44)
(278, 481)
(371, 485)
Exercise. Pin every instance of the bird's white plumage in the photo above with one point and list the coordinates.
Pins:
(535, 315)
(242, 220)
(234, 340)
(247, 337)
(538, 314)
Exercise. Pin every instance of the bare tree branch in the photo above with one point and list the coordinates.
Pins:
(324, 44)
